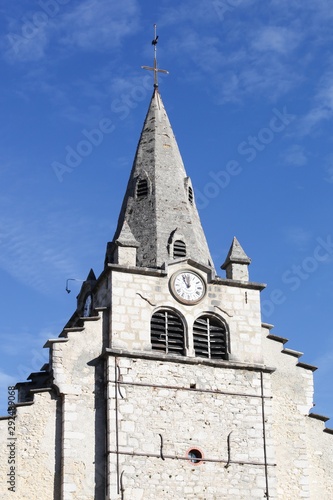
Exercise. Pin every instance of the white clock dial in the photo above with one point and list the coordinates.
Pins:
(188, 287)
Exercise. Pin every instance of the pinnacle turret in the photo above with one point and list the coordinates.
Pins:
(237, 262)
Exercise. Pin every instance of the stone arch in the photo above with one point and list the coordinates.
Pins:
(167, 332)
(210, 337)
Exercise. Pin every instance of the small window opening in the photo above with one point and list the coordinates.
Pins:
(142, 188)
(210, 338)
(190, 195)
(179, 249)
(167, 333)
(195, 456)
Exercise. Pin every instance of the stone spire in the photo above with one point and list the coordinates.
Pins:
(159, 204)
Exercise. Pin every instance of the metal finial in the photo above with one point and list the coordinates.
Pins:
(155, 68)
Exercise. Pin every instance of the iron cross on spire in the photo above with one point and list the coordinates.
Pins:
(155, 68)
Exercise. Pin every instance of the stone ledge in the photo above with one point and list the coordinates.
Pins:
(69, 330)
(328, 430)
(318, 417)
(283, 340)
(44, 389)
(137, 270)
(291, 352)
(84, 318)
(306, 366)
(186, 360)
(269, 326)
(239, 284)
(50, 342)
(25, 403)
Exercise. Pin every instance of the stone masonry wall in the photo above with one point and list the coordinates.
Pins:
(37, 469)
(187, 408)
(79, 376)
(304, 453)
(135, 297)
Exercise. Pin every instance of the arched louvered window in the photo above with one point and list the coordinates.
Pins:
(167, 332)
(190, 195)
(210, 338)
(142, 188)
(179, 249)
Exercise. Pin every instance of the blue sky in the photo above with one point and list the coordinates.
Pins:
(250, 99)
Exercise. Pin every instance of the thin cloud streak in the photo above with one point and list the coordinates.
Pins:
(92, 25)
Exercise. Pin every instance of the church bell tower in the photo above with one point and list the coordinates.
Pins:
(165, 384)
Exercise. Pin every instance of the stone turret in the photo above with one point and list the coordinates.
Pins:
(237, 263)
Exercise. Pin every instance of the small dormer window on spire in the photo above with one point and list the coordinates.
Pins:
(142, 188)
(179, 249)
(190, 195)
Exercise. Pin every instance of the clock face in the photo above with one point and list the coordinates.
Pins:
(188, 287)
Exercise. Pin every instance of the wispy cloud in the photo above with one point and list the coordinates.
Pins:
(41, 252)
(252, 62)
(322, 109)
(329, 168)
(96, 25)
(277, 39)
(298, 236)
(100, 24)
(6, 380)
(295, 155)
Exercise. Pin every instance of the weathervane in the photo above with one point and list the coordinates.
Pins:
(155, 68)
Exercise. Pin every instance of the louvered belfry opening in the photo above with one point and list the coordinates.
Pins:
(179, 249)
(210, 338)
(142, 188)
(190, 195)
(167, 333)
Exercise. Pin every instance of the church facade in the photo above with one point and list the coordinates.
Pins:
(165, 383)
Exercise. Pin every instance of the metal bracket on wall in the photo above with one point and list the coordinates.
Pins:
(161, 447)
(119, 381)
(229, 450)
(122, 489)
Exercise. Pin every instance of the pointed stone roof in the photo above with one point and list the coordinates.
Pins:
(236, 255)
(158, 203)
(126, 237)
(91, 276)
